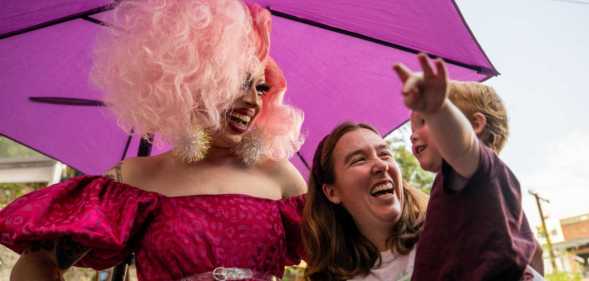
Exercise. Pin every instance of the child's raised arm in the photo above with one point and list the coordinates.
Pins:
(427, 94)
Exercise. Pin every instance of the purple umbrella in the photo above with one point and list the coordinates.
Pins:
(336, 55)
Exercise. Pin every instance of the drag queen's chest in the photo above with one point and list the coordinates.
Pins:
(199, 233)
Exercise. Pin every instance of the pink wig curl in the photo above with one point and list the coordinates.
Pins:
(280, 124)
(174, 67)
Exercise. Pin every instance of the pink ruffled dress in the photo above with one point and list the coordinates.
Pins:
(173, 237)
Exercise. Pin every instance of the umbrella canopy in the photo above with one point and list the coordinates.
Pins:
(336, 56)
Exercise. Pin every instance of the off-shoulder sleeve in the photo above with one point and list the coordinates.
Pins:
(93, 212)
(291, 211)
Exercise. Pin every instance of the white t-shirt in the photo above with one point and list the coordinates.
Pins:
(395, 267)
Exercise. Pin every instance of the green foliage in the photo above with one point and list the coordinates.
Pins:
(540, 231)
(9, 149)
(11, 191)
(563, 276)
(293, 273)
(410, 168)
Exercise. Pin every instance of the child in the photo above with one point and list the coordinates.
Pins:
(475, 228)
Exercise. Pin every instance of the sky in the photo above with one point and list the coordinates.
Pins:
(541, 49)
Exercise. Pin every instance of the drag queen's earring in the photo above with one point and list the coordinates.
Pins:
(193, 147)
(249, 149)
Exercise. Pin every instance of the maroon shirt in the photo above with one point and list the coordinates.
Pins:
(477, 233)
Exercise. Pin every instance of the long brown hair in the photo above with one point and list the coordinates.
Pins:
(336, 250)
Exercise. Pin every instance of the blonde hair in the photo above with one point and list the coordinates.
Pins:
(473, 97)
(173, 67)
(336, 250)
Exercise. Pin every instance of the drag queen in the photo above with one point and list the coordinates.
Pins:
(225, 203)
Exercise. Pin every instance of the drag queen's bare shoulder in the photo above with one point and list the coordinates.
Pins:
(285, 173)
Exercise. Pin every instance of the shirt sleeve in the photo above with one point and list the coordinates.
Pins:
(95, 213)
(291, 211)
(454, 181)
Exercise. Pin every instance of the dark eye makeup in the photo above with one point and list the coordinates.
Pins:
(263, 87)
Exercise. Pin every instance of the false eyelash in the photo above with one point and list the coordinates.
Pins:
(263, 87)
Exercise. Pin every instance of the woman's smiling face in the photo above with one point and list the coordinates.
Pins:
(367, 180)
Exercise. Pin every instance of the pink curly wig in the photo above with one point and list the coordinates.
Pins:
(174, 67)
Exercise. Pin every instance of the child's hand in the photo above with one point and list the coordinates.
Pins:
(424, 93)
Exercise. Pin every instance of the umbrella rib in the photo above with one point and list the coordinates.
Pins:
(479, 69)
(67, 101)
(56, 21)
(494, 71)
(127, 144)
(303, 160)
(94, 20)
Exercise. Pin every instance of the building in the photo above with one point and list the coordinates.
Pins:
(30, 169)
(570, 240)
(576, 241)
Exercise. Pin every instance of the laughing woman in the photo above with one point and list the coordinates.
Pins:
(362, 221)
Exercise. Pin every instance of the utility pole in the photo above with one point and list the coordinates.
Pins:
(546, 233)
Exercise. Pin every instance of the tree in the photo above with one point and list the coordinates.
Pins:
(564, 276)
(410, 169)
(9, 149)
(10, 191)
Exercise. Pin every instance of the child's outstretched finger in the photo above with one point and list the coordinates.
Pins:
(411, 85)
(427, 68)
(414, 101)
(441, 69)
(402, 72)
(411, 92)
(409, 97)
